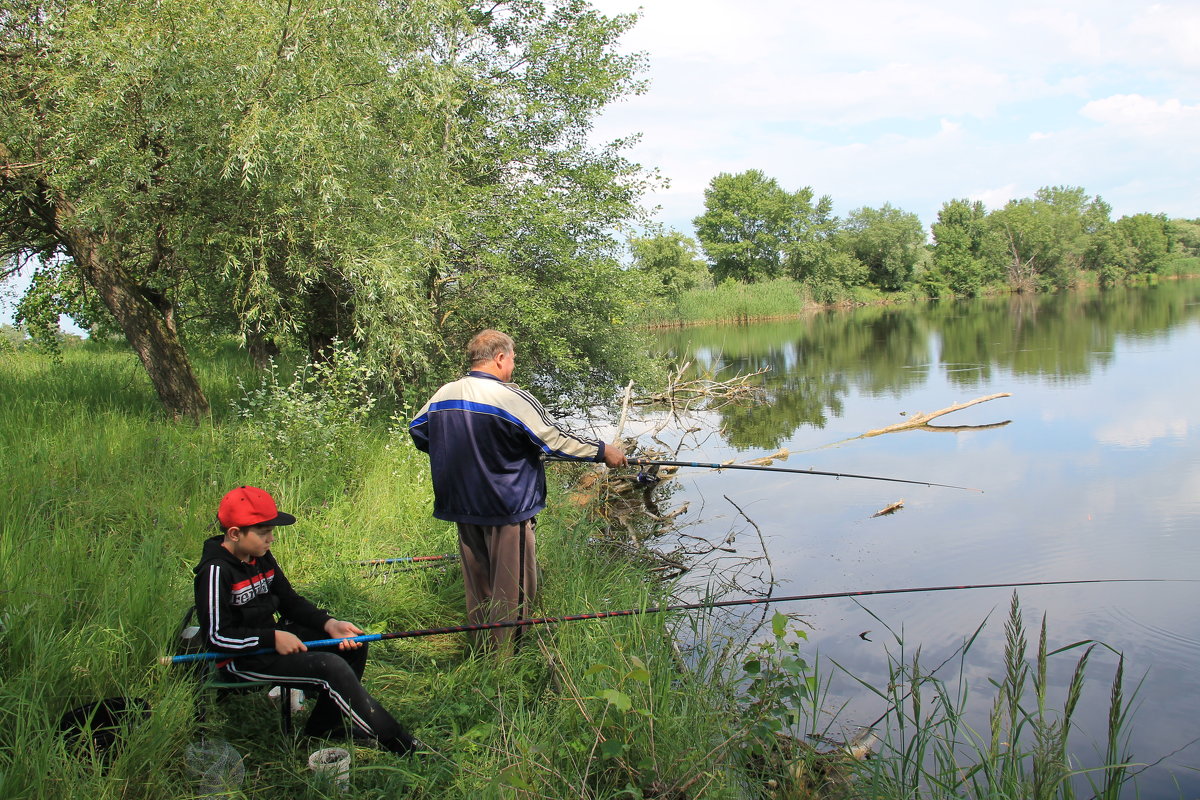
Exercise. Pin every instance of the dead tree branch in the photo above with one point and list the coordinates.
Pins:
(921, 419)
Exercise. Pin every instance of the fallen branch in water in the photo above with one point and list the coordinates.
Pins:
(921, 419)
(961, 428)
(767, 461)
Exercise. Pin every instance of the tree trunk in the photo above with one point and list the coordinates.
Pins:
(147, 329)
(261, 347)
(328, 307)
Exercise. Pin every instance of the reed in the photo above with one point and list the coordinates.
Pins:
(735, 302)
(930, 750)
(781, 298)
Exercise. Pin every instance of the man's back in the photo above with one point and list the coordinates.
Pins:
(485, 439)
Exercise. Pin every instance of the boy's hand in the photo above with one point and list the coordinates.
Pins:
(288, 643)
(340, 629)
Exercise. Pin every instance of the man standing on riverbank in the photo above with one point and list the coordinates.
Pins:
(486, 438)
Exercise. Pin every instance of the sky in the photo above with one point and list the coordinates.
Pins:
(918, 103)
(915, 103)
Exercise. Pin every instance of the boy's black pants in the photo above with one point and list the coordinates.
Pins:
(337, 676)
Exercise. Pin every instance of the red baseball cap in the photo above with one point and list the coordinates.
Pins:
(246, 506)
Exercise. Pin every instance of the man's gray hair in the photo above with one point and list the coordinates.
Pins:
(486, 345)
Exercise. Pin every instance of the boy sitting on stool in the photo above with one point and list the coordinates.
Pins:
(240, 587)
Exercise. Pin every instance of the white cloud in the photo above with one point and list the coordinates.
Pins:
(919, 102)
(996, 197)
(898, 90)
(1169, 33)
(1141, 433)
(1144, 113)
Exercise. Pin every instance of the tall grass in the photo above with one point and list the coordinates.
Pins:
(1180, 266)
(106, 508)
(736, 302)
(930, 751)
(781, 298)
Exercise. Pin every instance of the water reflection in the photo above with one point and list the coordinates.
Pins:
(815, 363)
(1097, 476)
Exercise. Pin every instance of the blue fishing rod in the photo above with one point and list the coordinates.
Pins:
(654, 462)
(748, 601)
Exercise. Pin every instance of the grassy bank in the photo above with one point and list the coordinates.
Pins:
(784, 298)
(106, 508)
(781, 298)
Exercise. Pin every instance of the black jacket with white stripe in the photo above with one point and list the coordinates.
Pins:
(237, 601)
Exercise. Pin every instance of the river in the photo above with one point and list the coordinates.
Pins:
(1090, 470)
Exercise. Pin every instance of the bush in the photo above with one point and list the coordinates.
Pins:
(315, 419)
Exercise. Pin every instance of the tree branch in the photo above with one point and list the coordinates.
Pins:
(920, 419)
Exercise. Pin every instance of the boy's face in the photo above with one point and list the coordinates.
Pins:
(250, 542)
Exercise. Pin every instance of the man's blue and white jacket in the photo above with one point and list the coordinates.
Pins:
(485, 440)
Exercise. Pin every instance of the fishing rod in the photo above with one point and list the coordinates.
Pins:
(748, 601)
(653, 462)
(408, 559)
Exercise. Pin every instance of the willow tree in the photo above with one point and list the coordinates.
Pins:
(968, 254)
(888, 241)
(299, 171)
(526, 241)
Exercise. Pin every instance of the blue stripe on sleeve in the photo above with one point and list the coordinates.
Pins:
(494, 411)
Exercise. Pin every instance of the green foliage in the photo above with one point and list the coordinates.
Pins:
(671, 261)
(12, 338)
(968, 253)
(783, 691)
(829, 279)
(524, 242)
(888, 241)
(1186, 236)
(317, 418)
(1048, 235)
(1149, 236)
(395, 174)
(754, 230)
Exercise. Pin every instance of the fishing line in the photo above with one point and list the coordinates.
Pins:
(656, 462)
(652, 462)
(519, 623)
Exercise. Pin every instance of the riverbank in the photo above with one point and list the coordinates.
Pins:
(783, 298)
(108, 504)
(106, 509)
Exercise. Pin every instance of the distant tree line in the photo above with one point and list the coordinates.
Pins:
(752, 230)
